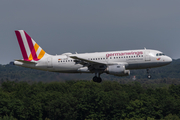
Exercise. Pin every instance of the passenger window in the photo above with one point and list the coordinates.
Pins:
(118, 66)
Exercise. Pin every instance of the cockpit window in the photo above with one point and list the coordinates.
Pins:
(160, 54)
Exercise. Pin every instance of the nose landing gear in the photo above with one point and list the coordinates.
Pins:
(148, 76)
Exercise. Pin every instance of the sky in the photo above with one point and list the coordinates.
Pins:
(83, 26)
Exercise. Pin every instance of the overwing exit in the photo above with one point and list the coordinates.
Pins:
(118, 63)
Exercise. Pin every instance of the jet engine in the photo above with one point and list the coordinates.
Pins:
(118, 70)
(84, 70)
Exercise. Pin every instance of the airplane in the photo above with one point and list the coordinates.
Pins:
(118, 63)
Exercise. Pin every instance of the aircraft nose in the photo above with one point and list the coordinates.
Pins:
(168, 59)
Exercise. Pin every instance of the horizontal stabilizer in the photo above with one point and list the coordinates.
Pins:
(27, 62)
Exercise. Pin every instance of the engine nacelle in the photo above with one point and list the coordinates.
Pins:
(118, 70)
(84, 70)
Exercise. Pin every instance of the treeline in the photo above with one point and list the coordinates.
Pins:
(86, 100)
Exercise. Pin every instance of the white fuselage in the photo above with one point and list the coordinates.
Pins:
(132, 59)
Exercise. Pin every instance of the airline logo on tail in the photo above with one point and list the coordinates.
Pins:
(29, 48)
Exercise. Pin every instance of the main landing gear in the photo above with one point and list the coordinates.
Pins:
(97, 79)
(148, 76)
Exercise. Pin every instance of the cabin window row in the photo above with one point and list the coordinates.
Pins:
(66, 61)
(115, 57)
(103, 58)
(126, 57)
(97, 58)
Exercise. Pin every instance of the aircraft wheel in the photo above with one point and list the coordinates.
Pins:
(95, 78)
(149, 76)
(99, 80)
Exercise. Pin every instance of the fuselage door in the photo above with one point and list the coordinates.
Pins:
(147, 56)
(49, 62)
(106, 60)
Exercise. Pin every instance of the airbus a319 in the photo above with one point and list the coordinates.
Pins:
(118, 63)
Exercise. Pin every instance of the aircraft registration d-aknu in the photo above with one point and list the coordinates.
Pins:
(118, 63)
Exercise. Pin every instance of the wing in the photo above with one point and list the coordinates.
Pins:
(92, 65)
(83, 60)
(86, 60)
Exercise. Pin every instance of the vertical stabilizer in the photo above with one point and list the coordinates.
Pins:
(29, 48)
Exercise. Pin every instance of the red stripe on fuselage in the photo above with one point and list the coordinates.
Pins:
(30, 43)
(21, 45)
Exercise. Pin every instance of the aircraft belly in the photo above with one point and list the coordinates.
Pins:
(144, 65)
(67, 68)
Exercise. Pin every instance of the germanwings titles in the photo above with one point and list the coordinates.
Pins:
(118, 63)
